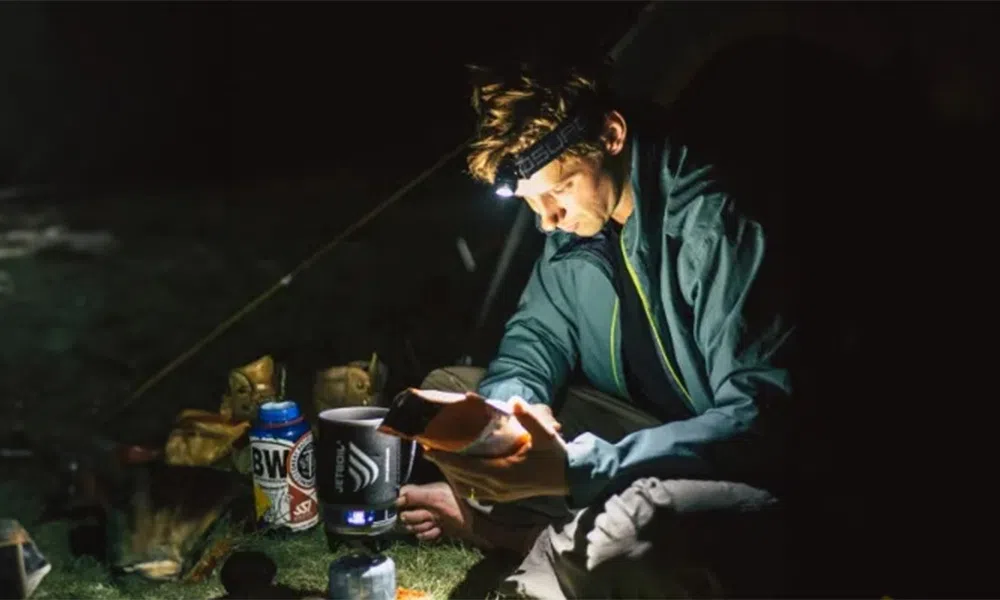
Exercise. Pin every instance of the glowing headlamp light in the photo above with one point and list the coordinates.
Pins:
(505, 183)
(581, 126)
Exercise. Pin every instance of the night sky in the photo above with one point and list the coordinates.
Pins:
(136, 91)
(106, 91)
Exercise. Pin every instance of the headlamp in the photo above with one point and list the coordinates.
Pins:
(582, 125)
(507, 175)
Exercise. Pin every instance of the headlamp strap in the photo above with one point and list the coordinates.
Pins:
(579, 127)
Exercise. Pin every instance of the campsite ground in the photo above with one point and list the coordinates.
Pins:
(439, 570)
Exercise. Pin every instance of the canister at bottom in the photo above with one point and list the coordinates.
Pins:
(363, 576)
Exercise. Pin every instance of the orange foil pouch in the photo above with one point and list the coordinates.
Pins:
(463, 423)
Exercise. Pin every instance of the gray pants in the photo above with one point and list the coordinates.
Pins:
(655, 539)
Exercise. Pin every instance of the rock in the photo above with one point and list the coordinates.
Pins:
(246, 572)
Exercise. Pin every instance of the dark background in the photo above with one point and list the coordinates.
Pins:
(223, 143)
(213, 90)
(294, 121)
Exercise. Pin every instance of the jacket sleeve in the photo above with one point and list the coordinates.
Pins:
(539, 345)
(739, 330)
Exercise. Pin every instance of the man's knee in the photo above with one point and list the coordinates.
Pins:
(454, 379)
(708, 538)
(660, 537)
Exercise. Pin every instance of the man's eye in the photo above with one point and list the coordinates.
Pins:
(560, 189)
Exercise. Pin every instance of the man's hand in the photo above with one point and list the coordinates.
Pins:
(537, 468)
(431, 511)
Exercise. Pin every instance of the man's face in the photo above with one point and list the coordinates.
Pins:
(577, 195)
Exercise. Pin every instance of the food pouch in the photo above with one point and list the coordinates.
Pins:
(462, 423)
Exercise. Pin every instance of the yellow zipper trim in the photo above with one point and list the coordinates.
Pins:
(614, 355)
(649, 316)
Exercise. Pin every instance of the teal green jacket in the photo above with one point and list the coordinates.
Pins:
(695, 260)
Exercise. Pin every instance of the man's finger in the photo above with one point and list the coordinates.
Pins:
(549, 415)
(429, 535)
(542, 412)
(420, 515)
(530, 421)
(403, 499)
(422, 527)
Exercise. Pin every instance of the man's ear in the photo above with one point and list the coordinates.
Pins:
(615, 130)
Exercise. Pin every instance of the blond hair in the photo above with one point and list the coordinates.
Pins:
(514, 110)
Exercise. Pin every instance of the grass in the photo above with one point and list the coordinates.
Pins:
(302, 561)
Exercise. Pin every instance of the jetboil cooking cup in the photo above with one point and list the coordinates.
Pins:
(359, 472)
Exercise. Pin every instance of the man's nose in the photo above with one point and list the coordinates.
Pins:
(552, 213)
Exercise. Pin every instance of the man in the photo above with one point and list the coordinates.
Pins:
(656, 289)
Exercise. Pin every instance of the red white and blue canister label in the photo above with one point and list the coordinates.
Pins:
(284, 481)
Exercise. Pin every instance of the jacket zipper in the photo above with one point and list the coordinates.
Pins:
(601, 261)
(611, 346)
(652, 326)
